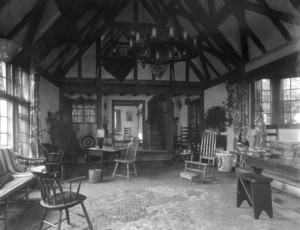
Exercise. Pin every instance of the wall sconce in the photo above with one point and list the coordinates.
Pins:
(100, 137)
(104, 105)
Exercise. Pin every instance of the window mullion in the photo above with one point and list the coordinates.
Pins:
(275, 101)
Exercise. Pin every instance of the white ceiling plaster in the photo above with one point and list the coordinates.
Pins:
(282, 6)
(230, 29)
(265, 30)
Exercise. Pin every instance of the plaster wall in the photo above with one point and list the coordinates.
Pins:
(49, 101)
(133, 124)
(215, 96)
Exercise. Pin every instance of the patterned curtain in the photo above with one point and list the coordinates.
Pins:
(35, 116)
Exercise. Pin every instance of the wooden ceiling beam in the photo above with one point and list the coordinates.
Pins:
(23, 22)
(141, 87)
(203, 62)
(87, 42)
(34, 22)
(93, 22)
(256, 40)
(228, 76)
(208, 63)
(48, 76)
(276, 21)
(211, 49)
(239, 12)
(156, 7)
(108, 44)
(149, 9)
(214, 32)
(290, 18)
(132, 25)
(195, 69)
(224, 58)
(167, 14)
(211, 8)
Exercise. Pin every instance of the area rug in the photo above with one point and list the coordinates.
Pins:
(167, 208)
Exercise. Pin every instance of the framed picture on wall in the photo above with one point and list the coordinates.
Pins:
(128, 116)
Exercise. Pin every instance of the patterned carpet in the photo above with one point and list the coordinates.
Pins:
(164, 208)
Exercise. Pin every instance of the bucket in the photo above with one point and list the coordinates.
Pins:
(224, 161)
(94, 175)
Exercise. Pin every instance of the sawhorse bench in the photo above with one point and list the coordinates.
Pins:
(256, 190)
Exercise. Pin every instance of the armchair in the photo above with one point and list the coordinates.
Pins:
(204, 168)
(56, 197)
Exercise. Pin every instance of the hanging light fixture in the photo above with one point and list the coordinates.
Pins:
(160, 49)
(163, 49)
(8, 50)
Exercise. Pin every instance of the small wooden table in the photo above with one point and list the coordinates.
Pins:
(100, 152)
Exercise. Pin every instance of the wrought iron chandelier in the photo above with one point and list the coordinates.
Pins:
(8, 50)
(163, 49)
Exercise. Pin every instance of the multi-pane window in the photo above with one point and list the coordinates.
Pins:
(3, 79)
(284, 110)
(3, 123)
(84, 112)
(14, 106)
(21, 84)
(262, 99)
(23, 131)
(290, 101)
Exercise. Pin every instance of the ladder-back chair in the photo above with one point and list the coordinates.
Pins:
(204, 168)
(56, 197)
(127, 133)
(129, 158)
(184, 137)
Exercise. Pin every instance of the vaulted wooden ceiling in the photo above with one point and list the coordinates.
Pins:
(55, 34)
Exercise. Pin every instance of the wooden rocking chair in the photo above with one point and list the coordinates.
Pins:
(204, 168)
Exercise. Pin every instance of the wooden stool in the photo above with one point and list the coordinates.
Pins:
(256, 190)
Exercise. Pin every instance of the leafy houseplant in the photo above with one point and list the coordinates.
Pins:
(63, 133)
(237, 109)
(215, 119)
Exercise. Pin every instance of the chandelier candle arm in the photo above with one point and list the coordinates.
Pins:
(171, 32)
(154, 32)
(137, 37)
(161, 48)
(185, 35)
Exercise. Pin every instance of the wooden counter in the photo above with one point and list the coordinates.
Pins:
(279, 167)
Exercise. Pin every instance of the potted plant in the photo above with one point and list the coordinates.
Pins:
(63, 133)
(215, 119)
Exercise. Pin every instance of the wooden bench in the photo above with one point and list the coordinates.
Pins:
(256, 190)
(19, 182)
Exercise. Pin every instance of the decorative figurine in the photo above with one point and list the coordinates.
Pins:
(260, 132)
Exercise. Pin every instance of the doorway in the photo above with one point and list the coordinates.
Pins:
(128, 118)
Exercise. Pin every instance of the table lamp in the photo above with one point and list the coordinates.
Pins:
(100, 137)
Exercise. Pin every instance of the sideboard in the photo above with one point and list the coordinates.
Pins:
(283, 166)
